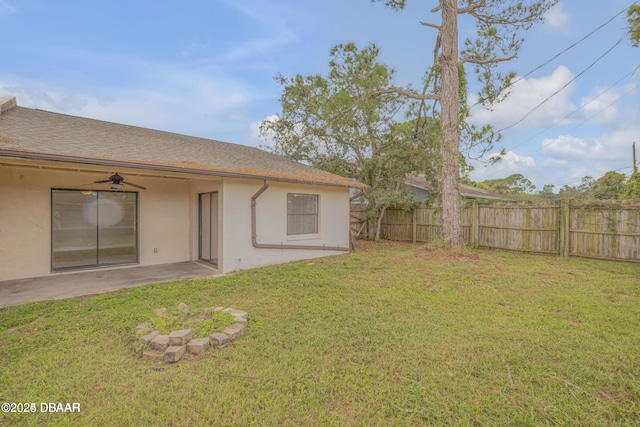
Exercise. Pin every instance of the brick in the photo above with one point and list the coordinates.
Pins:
(232, 333)
(237, 326)
(219, 339)
(180, 337)
(228, 310)
(174, 353)
(143, 325)
(208, 310)
(160, 342)
(239, 313)
(147, 338)
(198, 345)
(239, 319)
(217, 309)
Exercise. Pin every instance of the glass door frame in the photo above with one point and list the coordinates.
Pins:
(97, 264)
(201, 229)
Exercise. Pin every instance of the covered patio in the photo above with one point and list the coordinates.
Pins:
(80, 283)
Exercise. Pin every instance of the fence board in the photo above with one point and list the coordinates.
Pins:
(604, 230)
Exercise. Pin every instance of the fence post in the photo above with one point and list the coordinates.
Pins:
(413, 223)
(564, 228)
(475, 233)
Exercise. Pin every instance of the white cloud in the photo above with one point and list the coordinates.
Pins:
(522, 102)
(259, 140)
(169, 97)
(557, 20)
(615, 146)
(601, 106)
(509, 164)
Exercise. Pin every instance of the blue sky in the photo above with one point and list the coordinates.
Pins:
(206, 68)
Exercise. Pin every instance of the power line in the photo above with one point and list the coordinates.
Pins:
(573, 112)
(557, 122)
(532, 110)
(565, 50)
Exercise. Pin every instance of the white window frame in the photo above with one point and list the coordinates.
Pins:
(292, 216)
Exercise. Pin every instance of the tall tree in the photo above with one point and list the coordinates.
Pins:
(547, 192)
(498, 25)
(631, 189)
(578, 192)
(335, 124)
(633, 18)
(515, 184)
(609, 186)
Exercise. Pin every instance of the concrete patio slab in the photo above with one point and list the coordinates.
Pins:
(67, 285)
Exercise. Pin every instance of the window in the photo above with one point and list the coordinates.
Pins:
(302, 214)
(93, 228)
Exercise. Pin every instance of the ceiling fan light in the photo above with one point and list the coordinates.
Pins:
(116, 185)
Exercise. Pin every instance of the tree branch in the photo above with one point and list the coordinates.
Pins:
(407, 93)
(470, 9)
(486, 61)
(428, 24)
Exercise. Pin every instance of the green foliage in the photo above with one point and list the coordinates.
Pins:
(201, 325)
(608, 187)
(349, 124)
(611, 186)
(514, 184)
(391, 335)
(633, 18)
(547, 192)
(631, 189)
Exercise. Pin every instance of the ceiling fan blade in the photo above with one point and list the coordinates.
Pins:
(102, 182)
(134, 185)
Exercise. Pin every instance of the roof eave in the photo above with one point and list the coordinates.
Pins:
(164, 168)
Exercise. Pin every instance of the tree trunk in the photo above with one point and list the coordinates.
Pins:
(449, 122)
(379, 222)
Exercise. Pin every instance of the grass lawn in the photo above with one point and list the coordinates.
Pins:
(394, 334)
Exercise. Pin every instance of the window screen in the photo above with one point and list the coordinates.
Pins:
(302, 214)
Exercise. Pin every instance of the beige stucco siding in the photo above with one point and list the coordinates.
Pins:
(168, 226)
(164, 210)
(25, 223)
(239, 253)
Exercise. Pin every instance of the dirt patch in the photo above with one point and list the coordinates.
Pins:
(429, 252)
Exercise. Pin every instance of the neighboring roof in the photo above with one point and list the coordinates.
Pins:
(466, 191)
(35, 134)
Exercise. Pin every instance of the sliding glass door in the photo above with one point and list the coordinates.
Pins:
(93, 228)
(208, 204)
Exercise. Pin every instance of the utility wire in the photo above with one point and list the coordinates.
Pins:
(532, 110)
(578, 125)
(565, 50)
(557, 122)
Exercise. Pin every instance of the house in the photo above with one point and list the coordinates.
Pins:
(420, 187)
(78, 193)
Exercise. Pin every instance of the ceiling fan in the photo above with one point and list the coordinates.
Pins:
(117, 181)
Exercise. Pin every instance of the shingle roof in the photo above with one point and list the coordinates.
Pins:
(466, 191)
(37, 134)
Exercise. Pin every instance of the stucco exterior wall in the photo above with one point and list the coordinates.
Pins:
(239, 253)
(25, 223)
(168, 226)
(205, 186)
(25, 218)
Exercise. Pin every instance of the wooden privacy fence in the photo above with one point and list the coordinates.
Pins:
(591, 229)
